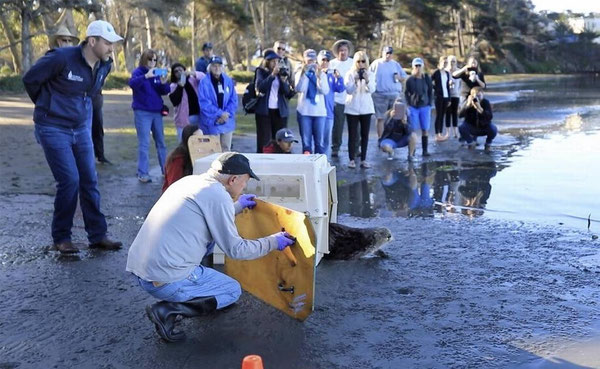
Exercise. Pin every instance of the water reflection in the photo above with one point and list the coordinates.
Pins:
(420, 190)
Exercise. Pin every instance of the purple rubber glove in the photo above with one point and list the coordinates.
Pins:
(284, 240)
(247, 201)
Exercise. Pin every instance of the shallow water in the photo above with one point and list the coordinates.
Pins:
(545, 171)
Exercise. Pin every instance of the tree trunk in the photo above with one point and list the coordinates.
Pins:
(193, 10)
(402, 34)
(461, 49)
(148, 30)
(257, 24)
(14, 50)
(26, 49)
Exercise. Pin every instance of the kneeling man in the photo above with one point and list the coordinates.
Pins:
(193, 215)
(477, 112)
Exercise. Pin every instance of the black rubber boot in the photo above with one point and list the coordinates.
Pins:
(164, 313)
(424, 142)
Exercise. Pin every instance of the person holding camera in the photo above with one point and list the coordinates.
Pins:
(148, 84)
(184, 97)
(471, 76)
(389, 76)
(397, 132)
(280, 47)
(360, 84)
(455, 86)
(218, 101)
(312, 86)
(274, 92)
(477, 112)
(336, 85)
(340, 66)
(419, 97)
(441, 88)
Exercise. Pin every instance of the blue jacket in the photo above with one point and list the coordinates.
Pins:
(59, 84)
(147, 91)
(209, 109)
(264, 80)
(333, 87)
(202, 64)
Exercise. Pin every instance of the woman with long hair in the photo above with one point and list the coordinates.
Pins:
(441, 88)
(360, 84)
(471, 76)
(148, 84)
(179, 163)
(184, 96)
(455, 85)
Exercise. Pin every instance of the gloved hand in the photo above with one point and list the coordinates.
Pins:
(247, 201)
(284, 240)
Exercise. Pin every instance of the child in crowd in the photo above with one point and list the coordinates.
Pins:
(282, 144)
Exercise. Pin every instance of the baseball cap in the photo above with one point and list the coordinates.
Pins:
(324, 54)
(216, 60)
(207, 45)
(417, 61)
(388, 50)
(270, 54)
(103, 29)
(310, 54)
(285, 135)
(233, 163)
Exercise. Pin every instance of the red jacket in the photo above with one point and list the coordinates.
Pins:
(173, 171)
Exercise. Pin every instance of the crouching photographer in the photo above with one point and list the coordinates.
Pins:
(477, 112)
(397, 132)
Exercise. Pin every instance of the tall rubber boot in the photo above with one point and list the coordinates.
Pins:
(424, 141)
(164, 313)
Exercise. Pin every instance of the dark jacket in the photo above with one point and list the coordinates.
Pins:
(202, 64)
(467, 84)
(59, 83)
(473, 117)
(436, 78)
(147, 91)
(264, 80)
(394, 129)
(419, 91)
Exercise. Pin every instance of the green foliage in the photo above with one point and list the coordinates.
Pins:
(241, 76)
(117, 80)
(5, 71)
(11, 84)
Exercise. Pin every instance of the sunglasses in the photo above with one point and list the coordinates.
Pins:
(325, 60)
(362, 61)
(418, 66)
(281, 48)
(153, 59)
(388, 53)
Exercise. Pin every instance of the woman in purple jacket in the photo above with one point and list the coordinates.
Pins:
(148, 84)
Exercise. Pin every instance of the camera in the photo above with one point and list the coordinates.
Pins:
(361, 73)
(475, 100)
(284, 71)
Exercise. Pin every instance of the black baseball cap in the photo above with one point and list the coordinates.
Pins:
(285, 135)
(207, 45)
(233, 163)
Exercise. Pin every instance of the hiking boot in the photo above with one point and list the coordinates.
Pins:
(66, 247)
(487, 148)
(106, 244)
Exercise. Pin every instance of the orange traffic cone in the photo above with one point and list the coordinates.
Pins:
(252, 362)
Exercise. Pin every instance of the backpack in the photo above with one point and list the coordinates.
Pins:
(250, 98)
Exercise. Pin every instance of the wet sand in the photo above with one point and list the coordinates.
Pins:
(455, 292)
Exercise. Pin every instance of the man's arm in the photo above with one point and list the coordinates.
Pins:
(46, 68)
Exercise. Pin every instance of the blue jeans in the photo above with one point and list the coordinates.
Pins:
(470, 133)
(394, 144)
(420, 117)
(146, 122)
(202, 282)
(327, 135)
(313, 127)
(70, 155)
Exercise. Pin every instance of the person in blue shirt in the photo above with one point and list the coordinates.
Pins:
(148, 85)
(336, 84)
(203, 61)
(218, 103)
(62, 84)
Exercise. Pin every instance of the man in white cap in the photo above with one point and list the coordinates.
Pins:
(342, 49)
(62, 84)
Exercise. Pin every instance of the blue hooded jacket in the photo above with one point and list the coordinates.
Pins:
(59, 84)
(209, 109)
(147, 91)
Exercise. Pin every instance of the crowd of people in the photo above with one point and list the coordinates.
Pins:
(333, 89)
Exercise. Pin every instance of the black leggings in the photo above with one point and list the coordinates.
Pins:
(452, 112)
(365, 126)
(440, 111)
(267, 126)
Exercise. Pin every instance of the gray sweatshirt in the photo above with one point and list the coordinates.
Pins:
(192, 213)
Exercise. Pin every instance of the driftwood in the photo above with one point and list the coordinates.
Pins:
(351, 243)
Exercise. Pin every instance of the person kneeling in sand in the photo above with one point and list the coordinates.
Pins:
(477, 112)
(397, 132)
(282, 144)
(193, 215)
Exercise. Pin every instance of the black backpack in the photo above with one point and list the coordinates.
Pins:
(249, 98)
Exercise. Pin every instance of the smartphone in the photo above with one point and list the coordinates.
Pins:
(160, 72)
(399, 110)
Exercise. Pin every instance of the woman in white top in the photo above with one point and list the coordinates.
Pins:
(455, 86)
(360, 84)
(312, 86)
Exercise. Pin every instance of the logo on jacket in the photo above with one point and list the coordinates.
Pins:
(74, 77)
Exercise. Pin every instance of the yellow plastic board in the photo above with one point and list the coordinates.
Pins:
(283, 279)
(203, 145)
